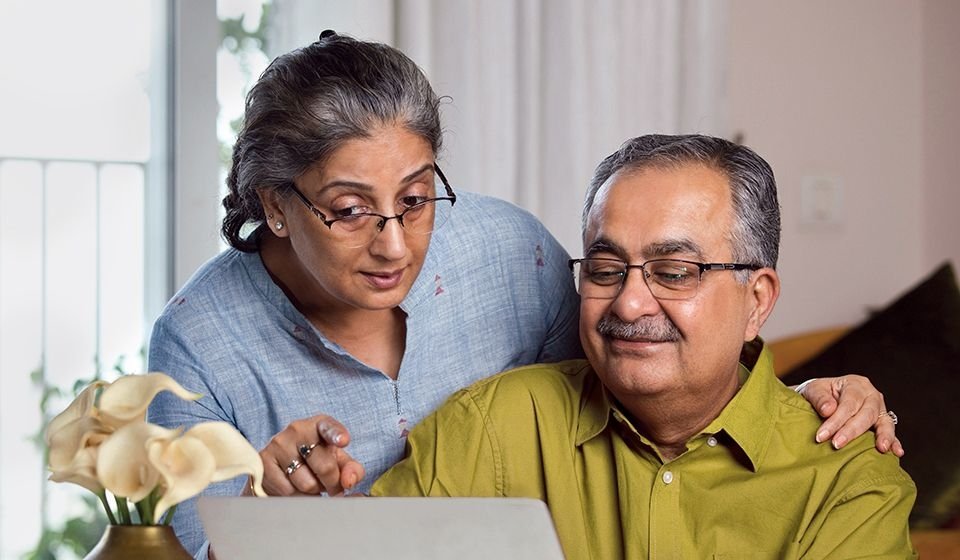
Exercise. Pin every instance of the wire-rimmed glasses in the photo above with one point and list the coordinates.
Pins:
(669, 279)
(421, 216)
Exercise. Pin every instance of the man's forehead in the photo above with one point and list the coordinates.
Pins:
(659, 211)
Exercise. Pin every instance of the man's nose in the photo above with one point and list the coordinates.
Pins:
(635, 299)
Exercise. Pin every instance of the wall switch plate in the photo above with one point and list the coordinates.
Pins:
(821, 202)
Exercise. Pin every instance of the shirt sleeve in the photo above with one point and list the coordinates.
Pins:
(560, 301)
(449, 453)
(171, 353)
(869, 521)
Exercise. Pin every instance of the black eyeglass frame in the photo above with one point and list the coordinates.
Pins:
(702, 267)
(451, 196)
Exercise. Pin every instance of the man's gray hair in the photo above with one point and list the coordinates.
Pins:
(308, 103)
(755, 238)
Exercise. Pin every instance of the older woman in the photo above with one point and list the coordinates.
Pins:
(362, 289)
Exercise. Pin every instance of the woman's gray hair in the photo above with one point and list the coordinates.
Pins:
(306, 104)
(755, 238)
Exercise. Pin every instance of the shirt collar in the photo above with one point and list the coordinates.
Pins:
(749, 417)
(739, 419)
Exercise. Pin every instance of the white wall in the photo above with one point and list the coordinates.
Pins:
(843, 90)
(941, 125)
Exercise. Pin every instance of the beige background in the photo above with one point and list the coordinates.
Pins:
(864, 93)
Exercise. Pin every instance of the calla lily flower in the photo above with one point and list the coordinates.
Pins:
(123, 464)
(73, 438)
(82, 471)
(126, 399)
(81, 407)
(104, 443)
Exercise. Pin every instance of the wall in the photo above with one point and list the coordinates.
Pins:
(843, 91)
(941, 123)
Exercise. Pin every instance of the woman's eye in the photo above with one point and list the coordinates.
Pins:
(408, 201)
(352, 211)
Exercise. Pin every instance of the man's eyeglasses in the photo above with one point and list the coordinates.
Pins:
(668, 279)
(420, 216)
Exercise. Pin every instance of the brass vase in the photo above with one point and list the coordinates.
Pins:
(144, 542)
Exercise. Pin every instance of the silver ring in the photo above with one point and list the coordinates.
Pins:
(293, 466)
(892, 415)
(305, 450)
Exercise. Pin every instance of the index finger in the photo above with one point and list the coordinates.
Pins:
(332, 432)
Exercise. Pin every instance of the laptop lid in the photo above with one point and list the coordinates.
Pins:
(244, 528)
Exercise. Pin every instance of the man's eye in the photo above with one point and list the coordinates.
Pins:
(673, 276)
(606, 276)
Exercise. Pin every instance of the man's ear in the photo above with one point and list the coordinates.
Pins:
(764, 289)
(273, 211)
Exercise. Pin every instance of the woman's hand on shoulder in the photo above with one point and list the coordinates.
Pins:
(851, 406)
(308, 458)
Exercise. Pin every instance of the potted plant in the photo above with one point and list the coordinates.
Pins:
(103, 442)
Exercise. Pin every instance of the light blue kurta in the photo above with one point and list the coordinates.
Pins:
(494, 293)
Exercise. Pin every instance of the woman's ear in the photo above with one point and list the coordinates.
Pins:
(273, 211)
(764, 290)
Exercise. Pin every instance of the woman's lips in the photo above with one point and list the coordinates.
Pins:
(384, 280)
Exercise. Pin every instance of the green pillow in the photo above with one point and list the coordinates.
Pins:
(911, 351)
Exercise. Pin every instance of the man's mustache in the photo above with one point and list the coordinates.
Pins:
(647, 329)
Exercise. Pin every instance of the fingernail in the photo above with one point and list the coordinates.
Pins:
(337, 438)
(821, 436)
(823, 408)
(351, 481)
(839, 441)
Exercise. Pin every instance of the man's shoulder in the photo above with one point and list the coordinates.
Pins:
(856, 461)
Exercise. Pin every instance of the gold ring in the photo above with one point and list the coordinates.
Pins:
(305, 450)
(293, 466)
(891, 415)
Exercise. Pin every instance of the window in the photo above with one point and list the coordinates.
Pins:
(82, 259)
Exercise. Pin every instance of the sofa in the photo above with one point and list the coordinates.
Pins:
(910, 349)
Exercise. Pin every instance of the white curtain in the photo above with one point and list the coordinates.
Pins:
(539, 91)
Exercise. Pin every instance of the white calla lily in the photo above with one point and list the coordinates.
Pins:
(104, 443)
(81, 406)
(123, 465)
(232, 451)
(186, 466)
(126, 399)
(65, 443)
(82, 471)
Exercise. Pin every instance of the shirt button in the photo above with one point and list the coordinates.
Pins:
(667, 477)
(712, 441)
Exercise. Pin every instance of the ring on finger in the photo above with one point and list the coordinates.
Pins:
(305, 450)
(293, 466)
(891, 415)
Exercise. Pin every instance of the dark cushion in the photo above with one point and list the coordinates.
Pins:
(911, 351)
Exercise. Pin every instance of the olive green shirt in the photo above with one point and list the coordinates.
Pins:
(753, 484)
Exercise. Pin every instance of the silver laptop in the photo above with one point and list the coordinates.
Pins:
(242, 528)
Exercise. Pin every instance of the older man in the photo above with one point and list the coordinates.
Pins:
(674, 439)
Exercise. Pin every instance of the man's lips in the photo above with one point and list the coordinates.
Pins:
(384, 280)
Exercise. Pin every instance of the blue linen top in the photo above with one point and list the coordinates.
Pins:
(494, 293)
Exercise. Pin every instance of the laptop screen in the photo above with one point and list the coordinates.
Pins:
(242, 528)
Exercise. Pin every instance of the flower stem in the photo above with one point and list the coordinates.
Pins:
(168, 517)
(106, 506)
(123, 510)
(145, 510)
